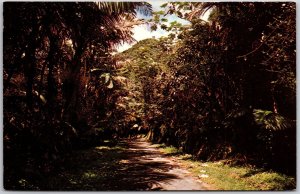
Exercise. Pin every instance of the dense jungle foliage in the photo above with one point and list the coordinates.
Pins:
(224, 88)
(218, 89)
(58, 88)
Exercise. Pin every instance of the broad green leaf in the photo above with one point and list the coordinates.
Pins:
(164, 20)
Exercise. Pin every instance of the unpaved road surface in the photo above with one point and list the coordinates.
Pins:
(128, 165)
(174, 176)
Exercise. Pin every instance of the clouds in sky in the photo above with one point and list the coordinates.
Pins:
(142, 32)
(156, 4)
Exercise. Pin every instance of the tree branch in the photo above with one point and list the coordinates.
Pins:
(257, 48)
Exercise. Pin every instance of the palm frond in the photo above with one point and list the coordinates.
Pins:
(270, 120)
(199, 9)
(125, 7)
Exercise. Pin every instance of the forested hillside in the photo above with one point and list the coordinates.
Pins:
(220, 90)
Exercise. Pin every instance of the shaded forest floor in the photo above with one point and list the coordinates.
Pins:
(137, 165)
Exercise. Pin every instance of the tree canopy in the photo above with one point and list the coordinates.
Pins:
(218, 89)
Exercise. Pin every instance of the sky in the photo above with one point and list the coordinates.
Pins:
(142, 32)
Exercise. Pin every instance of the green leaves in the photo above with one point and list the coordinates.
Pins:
(153, 27)
(164, 27)
(164, 20)
(270, 120)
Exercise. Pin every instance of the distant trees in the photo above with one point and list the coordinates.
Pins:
(142, 66)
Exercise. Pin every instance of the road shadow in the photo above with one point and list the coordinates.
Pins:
(128, 166)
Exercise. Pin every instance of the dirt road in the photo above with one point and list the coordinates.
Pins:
(173, 175)
(131, 165)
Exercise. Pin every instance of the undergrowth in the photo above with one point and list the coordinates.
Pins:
(223, 176)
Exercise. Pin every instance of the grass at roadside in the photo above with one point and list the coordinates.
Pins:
(227, 177)
(88, 170)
